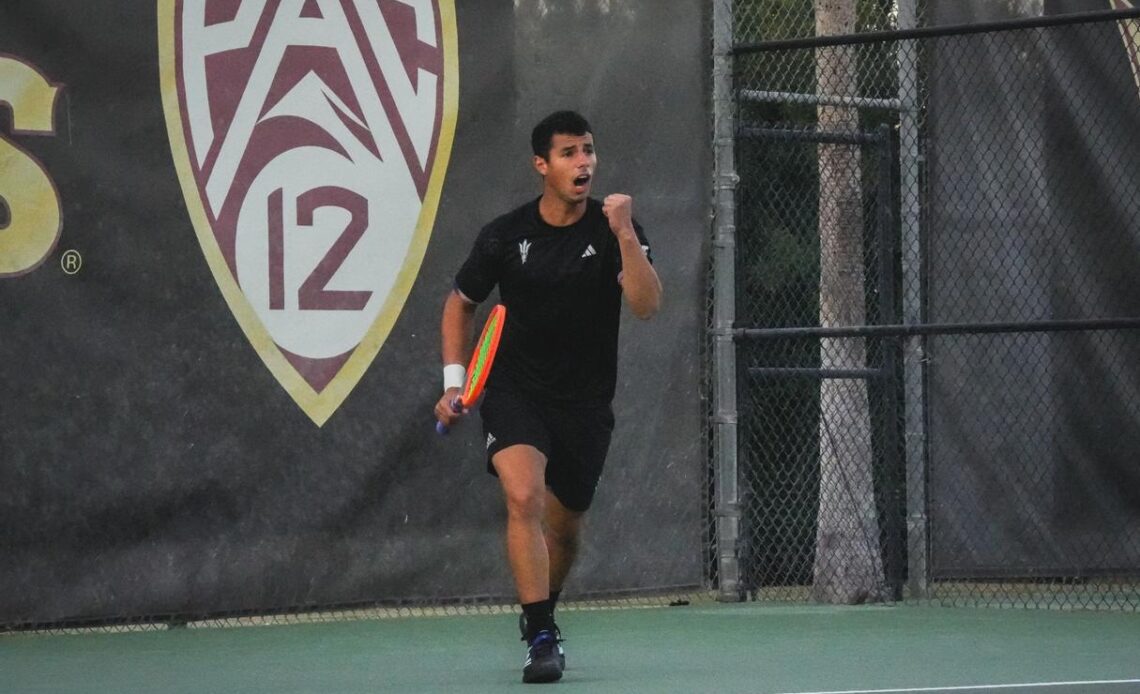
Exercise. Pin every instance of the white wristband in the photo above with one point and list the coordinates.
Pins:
(454, 376)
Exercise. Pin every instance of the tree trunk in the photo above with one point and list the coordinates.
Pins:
(848, 565)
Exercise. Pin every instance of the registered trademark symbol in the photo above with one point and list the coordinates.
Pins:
(71, 261)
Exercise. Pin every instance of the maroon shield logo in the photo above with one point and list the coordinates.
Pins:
(311, 139)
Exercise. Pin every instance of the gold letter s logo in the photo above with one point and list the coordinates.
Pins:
(30, 212)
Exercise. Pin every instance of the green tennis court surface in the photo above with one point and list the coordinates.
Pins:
(750, 648)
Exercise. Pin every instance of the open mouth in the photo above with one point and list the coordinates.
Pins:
(580, 181)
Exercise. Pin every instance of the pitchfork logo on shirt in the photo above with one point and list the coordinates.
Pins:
(311, 138)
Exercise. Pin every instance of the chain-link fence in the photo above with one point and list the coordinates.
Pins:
(937, 366)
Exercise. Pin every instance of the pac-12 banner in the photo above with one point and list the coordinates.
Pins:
(226, 231)
(311, 138)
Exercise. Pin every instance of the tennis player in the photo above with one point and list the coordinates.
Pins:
(562, 264)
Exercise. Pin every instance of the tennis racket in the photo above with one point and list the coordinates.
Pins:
(481, 360)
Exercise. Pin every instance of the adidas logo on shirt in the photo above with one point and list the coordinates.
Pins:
(589, 251)
(490, 439)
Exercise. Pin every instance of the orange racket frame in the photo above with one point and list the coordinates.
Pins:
(483, 356)
(481, 360)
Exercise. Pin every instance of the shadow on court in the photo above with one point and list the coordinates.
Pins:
(706, 647)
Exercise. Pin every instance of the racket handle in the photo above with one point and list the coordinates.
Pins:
(456, 407)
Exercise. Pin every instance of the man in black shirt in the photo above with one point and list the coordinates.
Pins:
(562, 263)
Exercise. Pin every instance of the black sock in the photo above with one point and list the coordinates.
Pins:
(539, 617)
(554, 599)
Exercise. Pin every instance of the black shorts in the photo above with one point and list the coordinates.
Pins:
(574, 440)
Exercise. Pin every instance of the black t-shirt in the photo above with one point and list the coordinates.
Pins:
(560, 286)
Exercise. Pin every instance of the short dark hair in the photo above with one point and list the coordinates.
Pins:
(557, 123)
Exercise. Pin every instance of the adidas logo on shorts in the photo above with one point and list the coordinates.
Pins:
(490, 440)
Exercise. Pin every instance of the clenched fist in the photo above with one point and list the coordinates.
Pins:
(618, 209)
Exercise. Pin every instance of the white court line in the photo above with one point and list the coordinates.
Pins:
(971, 687)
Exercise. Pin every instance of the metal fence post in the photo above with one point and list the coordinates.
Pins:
(727, 505)
(914, 347)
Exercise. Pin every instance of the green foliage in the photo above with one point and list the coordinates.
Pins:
(767, 20)
(779, 184)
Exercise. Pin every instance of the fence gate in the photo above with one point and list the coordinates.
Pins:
(786, 421)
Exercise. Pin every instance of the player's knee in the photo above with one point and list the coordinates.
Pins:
(563, 528)
(525, 503)
(567, 539)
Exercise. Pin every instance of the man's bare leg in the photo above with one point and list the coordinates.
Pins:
(521, 472)
(562, 528)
